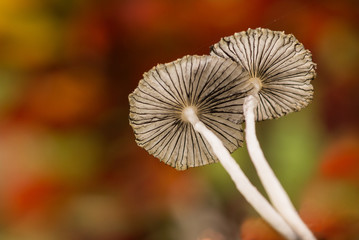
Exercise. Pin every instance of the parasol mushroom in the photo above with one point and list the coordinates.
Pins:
(188, 113)
(280, 70)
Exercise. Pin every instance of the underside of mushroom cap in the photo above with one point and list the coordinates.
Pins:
(283, 65)
(215, 87)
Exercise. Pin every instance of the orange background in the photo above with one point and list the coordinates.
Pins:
(69, 165)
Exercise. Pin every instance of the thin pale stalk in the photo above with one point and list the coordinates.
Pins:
(276, 193)
(250, 193)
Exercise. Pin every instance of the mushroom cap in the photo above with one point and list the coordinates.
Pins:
(282, 64)
(214, 86)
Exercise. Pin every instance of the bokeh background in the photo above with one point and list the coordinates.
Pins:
(69, 165)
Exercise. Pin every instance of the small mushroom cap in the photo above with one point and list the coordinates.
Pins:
(214, 86)
(282, 64)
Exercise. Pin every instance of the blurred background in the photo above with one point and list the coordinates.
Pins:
(69, 165)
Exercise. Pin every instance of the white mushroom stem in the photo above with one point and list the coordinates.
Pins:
(250, 193)
(276, 193)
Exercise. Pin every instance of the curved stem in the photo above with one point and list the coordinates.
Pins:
(250, 193)
(276, 193)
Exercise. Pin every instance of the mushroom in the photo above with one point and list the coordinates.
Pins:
(280, 70)
(188, 113)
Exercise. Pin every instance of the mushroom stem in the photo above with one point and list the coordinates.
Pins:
(276, 193)
(250, 193)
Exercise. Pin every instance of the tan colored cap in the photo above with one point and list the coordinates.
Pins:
(214, 86)
(281, 63)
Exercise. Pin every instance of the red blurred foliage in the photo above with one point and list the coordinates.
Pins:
(90, 37)
(64, 98)
(340, 111)
(39, 195)
(328, 226)
(258, 229)
(329, 204)
(341, 160)
(329, 208)
(95, 56)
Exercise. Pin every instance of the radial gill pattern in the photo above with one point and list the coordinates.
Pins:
(282, 64)
(214, 86)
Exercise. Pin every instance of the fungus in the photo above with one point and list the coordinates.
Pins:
(280, 70)
(188, 113)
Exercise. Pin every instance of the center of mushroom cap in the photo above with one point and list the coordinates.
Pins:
(189, 114)
(257, 83)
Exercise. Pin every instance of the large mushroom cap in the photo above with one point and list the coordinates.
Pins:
(281, 63)
(214, 86)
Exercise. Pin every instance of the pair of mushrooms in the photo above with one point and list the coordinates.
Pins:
(189, 112)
